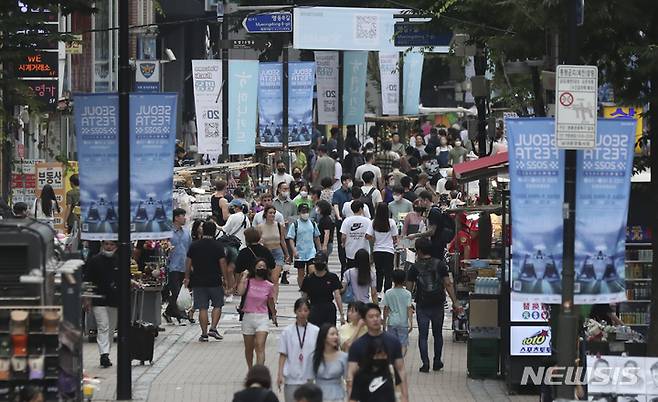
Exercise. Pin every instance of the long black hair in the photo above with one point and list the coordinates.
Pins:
(362, 259)
(47, 197)
(376, 345)
(318, 354)
(195, 229)
(381, 222)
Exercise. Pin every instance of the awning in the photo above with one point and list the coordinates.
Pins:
(481, 168)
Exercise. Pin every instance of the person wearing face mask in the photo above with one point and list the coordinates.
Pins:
(257, 302)
(322, 288)
(340, 197)
(303, 198)
(102, 271)
(400, 205)
(396, 174)
(414, 222)
(280, 176)
(297, 183)
(458, 153)
(304, 241)
(443, 152)
(283, 204)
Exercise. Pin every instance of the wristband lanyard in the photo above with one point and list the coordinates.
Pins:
(301, 340)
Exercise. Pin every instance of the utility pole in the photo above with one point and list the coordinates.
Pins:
(284, 85)
(225, 76)
(401, 87)
(124, 375)
(480, 65)
(340, 141)
(568, 320)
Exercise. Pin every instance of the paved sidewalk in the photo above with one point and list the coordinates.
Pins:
(187, 370)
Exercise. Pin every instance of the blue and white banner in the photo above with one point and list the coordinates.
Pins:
(97, 133)
(326, 77)
(602, 193)
(152, 144)
(207, 79)
(301, 79)
(270, 105)
(389, 73)
(354, 87)
(412, 75)
(536, 170)
(242, 106)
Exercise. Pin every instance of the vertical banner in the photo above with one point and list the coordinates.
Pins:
(52, 173)
(270, 104)
(326, 77)
(97, 133)
(412, 75)
(603, 185)
(354, 86)
(152, 144)
(390, 82)
(301, 79)
(207, 78)
(147, 76)
(536, 170)
(242, 105)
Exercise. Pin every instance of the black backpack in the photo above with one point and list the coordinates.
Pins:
(446, 229)
(429, 283)
(367, 200)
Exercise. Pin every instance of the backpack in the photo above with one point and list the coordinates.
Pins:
(429, 284)
(296, 224)
(367, 200)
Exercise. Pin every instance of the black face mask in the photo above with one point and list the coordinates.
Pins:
(282, 171)
(297, 175)
(261, 273)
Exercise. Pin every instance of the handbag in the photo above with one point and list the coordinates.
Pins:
(231, 240)
(348, 296)
(240, 308)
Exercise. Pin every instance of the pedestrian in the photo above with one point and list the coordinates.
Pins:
(428, 278)
(385, 158)
(353, 232)
(373, 353)
(265, 202)
(340, 197)
(73, 202)
(396, 145)
(440, 226)
(338, 170)
(322, 289)
(360, 281)
(284, 204)
(273, 238)
(46, 205)
(356, 194)
(329, 365)
(369, 188)
(281, 177)
(297, 182)
(384, 233)
(325, 167)
(247, 257)
(296, 344)
(102, 270)
(19, 210)
(420, 145)
(258, 386)
(235, 226)
(219, 203)
(369, 166)
(303, 197)
(414, 222)
(355, 327)
(304, 241)
(206, 261)
(256, 306)
(399, 310)
(327, 192)
(180, 241)
(400, 206)
(308, 393)
(326, 226)
(396, 173)
(407, 185)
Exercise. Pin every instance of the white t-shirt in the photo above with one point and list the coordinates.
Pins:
(376, 196)
(234, 226)
(384, 240)
(294, 371)
(279, 178)
(260, 218)
(368, 168)
(347, 210)
(338, 168)
(355, 228)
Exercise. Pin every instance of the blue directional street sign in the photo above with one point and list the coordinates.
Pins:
(268, 22)
(420, 34)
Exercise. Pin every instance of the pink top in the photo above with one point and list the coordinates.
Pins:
(260, 290)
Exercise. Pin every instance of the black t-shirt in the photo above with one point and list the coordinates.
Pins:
(359, 348)
(373, 386)
(248, 256)
(205, 255)
(326, 223)
(444, 233)
(216, 210)
(255, 394)
(412, 276)
(410, 195)
(321, 289)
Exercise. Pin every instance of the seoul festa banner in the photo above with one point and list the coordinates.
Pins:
(536, 170)
(97, 132)
(354, 87)
(207, 79)
(602, 193)
(326, 76)
(270, 104)
(301, 79)
(412, 75)
(242, 106)
(390, 81)
(152, 144)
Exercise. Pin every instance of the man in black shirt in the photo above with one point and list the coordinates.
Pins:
(206, 263)
(359, 349)
(428, 279)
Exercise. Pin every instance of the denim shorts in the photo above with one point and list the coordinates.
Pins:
(277, 253)
(204, 295)
(401, 333)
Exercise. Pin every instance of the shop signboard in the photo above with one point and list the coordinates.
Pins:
(603, 185)
(530, 341)
(413, 73)
(44, 91)
(97, 133)
(37, 64)
(390, 81)
(627, 112)
(326, 77)
(152, 145)
(52, 173)
(537, 190)
(207, 79)
(521, 311)
(301, 79)
(270, 105)
(355, 66)
(243, 106)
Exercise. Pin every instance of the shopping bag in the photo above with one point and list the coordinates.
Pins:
(184, 301)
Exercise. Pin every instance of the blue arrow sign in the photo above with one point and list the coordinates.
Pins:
(268, 22)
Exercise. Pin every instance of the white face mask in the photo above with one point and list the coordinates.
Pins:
(350, 184)
(303, 194)
(284, 194)
(397, 197)
(304, 216)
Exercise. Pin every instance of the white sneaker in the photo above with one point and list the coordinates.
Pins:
(229, 299)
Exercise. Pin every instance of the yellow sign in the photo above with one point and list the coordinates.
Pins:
(75, 46)
(626, 112)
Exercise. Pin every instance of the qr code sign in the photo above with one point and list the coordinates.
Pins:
(213, 130)
(365, 27)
